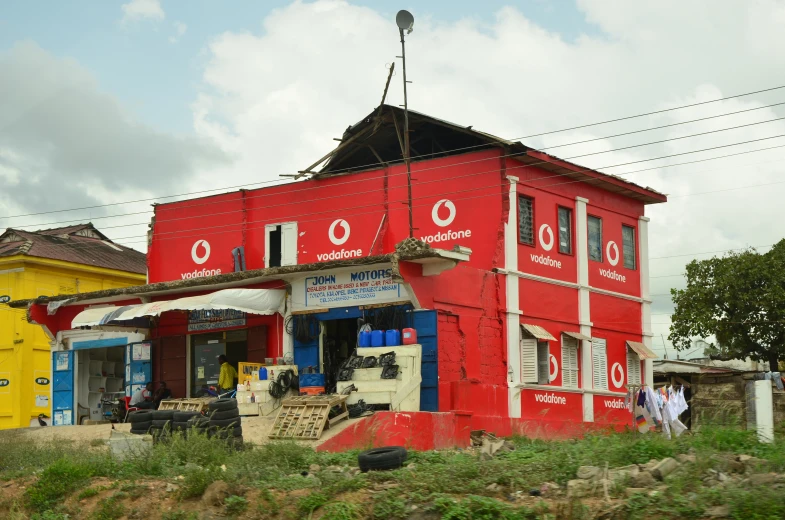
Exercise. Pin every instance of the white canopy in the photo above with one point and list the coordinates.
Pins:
(251, 301)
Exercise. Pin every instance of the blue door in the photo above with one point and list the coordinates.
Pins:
(305, 330)
(425, 323)
(63, 388)
(138, 366)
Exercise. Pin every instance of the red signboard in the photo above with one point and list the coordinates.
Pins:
(548, 405)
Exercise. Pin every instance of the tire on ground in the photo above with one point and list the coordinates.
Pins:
(141, 426)
(182, 417)
(391, 457)
(225, 423)
(223, 415)
(140, 416)
(158, 423)
(222, 405)
(163, 415)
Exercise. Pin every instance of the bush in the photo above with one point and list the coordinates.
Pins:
(55, 483)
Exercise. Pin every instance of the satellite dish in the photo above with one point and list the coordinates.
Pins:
(405, 21)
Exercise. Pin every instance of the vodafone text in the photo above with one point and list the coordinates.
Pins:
(550, 398)
(447, 235)
(613, 275)
(546, 260)
(615, 403)
(340, 254)
(200, 273)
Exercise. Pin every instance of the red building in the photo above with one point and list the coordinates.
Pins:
(541, 315)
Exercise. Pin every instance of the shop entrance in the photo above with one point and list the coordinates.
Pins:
(101, 383)
(338, 341)
(205, 349)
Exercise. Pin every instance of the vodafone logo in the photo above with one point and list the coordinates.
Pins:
(554, 372)
(612, 259)
(617, 375)
(195, 252)
(346, 232)
(545, 228)
(443, 222)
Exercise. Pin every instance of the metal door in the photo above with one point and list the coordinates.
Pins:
(425, 323)
(138, 367)
(63, 388)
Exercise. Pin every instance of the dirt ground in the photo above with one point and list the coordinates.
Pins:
(255, 430)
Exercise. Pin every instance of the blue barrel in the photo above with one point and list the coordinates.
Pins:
(392, 338)
(262, 374)
(365, 338)
(377, 338)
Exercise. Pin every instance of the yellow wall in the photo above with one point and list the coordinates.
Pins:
(24, 348)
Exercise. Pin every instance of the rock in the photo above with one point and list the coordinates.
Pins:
(621, 475)
(216, 493)
(580, 488)
(722, 477)
(686, 459)
(734, 466)
(171, 488)
(493, 488)
(718, 512)
(588, 472)
(635, 491)
(411, 466)
(549, 488)
(763, 479)
(314, 468)
(535, 493)
(664, 468)
(644, 479)
(356, 471)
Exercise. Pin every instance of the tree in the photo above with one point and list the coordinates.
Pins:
(740, 300)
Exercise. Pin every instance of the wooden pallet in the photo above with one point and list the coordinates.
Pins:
(307, 416)
(186, 405)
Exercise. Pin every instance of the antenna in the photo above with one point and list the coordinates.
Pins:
(405, 22)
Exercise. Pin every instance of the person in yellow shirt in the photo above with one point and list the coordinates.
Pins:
(227, 376)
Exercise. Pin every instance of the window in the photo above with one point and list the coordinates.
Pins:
(526, 220)
(595, 239)
(565, 231)
(599, 360)
(535, 360)
(569, 362)
(628, 246)
(633, 368)
(543, 363)
(280, 244)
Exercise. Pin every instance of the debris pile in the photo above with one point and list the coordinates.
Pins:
(411, 246)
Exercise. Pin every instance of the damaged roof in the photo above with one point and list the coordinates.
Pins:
(377, 140)
(79, 244)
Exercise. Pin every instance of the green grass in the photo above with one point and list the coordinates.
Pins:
(452, 483)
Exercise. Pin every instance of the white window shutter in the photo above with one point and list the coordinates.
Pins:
(543, 363)
(633, 368)
(599, 364)
(269, 228)
(528, 360)
(289, 243)
(569, 362)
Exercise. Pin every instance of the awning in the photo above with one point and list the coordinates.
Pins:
(642, 350)
(577, 335)
(538, 332)
(252, 301)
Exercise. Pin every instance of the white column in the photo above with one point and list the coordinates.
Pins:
(643, 262)
(584, 311)
(512, 303)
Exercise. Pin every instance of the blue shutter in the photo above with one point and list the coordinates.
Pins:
(425, 323)
(138, 372)
(63, 412)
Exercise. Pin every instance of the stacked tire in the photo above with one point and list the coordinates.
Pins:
(225, 421)
(141, 421)
(161, 425)
(180, 420)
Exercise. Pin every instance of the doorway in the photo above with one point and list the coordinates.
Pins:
(205, 349)
(339, 340)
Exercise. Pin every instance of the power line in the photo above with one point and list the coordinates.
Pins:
(426, 155)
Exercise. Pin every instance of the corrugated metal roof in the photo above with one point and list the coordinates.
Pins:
(82, 244)
(642, 350)
(577, 335)
(538, 332)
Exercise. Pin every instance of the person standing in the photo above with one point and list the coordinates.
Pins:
(227, 375)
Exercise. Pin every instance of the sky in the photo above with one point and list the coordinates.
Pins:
(114, 101)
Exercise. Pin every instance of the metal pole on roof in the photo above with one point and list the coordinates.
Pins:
(405, 21)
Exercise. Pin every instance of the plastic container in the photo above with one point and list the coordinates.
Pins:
(262, 374)
(311, 380)
(377, 338)
(365, 338)
(392, 338)
(268, 361)
(409, 337)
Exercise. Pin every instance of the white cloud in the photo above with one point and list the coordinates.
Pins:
(136, 10)
(276, 98)
(179, 31)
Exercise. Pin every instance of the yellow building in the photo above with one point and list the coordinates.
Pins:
(67, 260)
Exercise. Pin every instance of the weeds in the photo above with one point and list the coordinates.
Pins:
(58, 480)
(235, 505)
(342, 511)
(312, 502)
